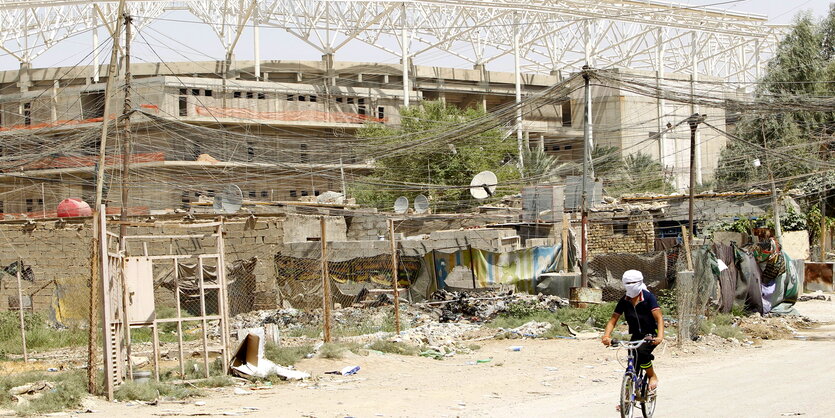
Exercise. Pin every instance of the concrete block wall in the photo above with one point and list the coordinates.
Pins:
(363, 227)
(60, 255)
(60, 259)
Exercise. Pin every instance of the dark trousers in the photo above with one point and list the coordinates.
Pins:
(644, 353)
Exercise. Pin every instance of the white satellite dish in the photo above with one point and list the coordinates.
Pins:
(483, 185)
(421, 204)
(401, 204)
(231, 199)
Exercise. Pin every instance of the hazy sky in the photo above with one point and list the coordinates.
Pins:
(778, 11)
(173, 40)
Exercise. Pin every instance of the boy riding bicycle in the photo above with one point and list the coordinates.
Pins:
(644, 318)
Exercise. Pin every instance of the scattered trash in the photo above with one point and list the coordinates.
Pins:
(551, 368)
(249, 360)
(515, 348)
(200, 403)
(486, 360)
(570, 330)
(52, 369)
(792, 414)
(24, 393)
(346, 371)
(437, 355)
(239, 391)
(531, 329)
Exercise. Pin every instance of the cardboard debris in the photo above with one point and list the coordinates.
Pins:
(249, 360)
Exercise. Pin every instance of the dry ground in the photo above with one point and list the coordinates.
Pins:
(546, 378)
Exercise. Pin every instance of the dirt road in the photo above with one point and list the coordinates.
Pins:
(547, 378)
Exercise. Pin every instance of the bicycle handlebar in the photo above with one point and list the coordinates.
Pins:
(631, 345)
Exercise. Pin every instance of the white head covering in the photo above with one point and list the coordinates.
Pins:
(636, 283)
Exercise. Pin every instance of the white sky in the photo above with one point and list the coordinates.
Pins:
(198, 42)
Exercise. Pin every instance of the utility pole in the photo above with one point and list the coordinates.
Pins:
(126, 140)
(694, 122)
(342, 175)
(584, 256)
(95, 262)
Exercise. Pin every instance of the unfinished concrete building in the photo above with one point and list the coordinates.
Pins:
(276, 136)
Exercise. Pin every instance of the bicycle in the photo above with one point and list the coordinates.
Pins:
(635, 386)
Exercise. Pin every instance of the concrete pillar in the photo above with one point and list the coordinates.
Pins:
(256, 38)
(404, 60)
(24, 78)
(518, 76)
(96, 61)
(56, 85)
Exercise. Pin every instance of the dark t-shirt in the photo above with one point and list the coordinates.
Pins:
(639, 317)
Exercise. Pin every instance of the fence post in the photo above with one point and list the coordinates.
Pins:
(394, 277)
(326, 286)
(565, 222)
(685, 238)
(20, 309)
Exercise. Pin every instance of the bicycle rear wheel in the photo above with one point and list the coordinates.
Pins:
(627, 395)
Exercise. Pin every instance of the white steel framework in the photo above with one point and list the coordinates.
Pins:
(551, 35)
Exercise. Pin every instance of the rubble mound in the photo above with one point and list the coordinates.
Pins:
(438, 334)
(481, 306)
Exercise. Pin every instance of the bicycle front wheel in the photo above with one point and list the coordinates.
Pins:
(648, 405)
(627, 395)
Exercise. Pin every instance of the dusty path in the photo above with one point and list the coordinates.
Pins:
(547, 378)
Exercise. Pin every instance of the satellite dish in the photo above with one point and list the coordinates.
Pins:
(217, 205)
(401, 204)
(421, 204)
(231, 199)
(483, 185)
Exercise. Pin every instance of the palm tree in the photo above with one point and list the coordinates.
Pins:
(543, 168)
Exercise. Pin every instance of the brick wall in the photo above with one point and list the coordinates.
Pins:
(620, 234)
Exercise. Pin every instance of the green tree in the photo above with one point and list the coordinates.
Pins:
(802, 65)
(439, 168)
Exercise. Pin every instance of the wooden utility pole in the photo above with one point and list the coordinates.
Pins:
(565, 222)
(694, 122)
(685, 239)
(823, 228)
(95, 261)
(327, 300)
(126, 138)
(394, 286)
(584, 223)
(20, 308)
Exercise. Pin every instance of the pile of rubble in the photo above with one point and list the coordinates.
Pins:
(481, 306)
(770, 327)
(284, 318)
